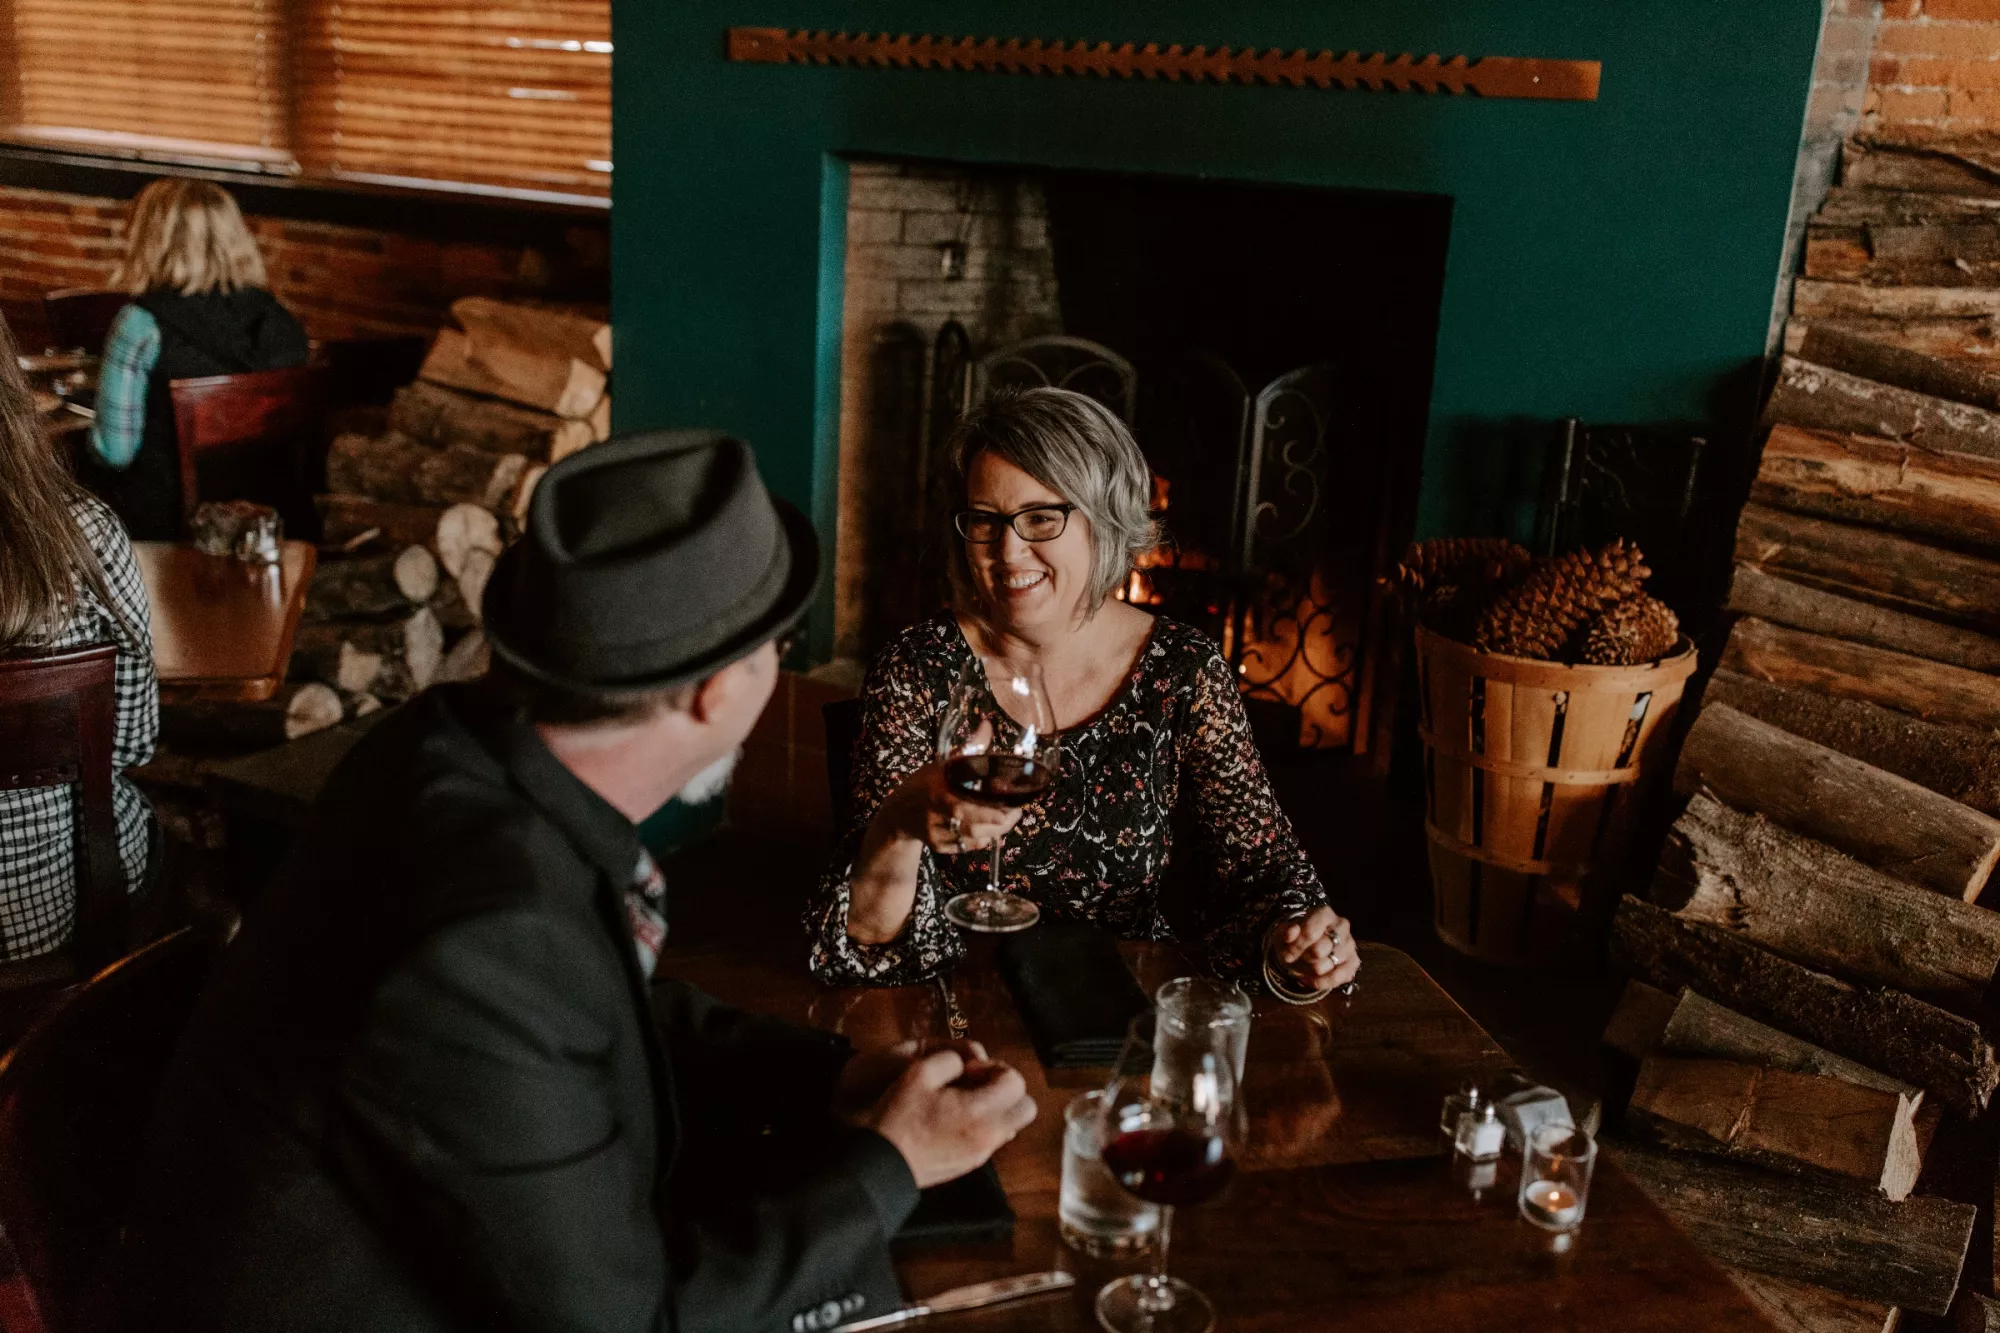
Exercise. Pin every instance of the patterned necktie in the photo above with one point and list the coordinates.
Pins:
(646, 908)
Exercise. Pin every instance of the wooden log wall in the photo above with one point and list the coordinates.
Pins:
(1815, 960)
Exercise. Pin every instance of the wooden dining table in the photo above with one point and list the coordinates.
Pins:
(1347, 1213)
(222, 629)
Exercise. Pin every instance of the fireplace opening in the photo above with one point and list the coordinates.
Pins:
(1271, 347)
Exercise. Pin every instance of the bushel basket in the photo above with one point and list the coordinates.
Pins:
(1532, 773)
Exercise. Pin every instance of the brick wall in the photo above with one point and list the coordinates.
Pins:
(896, 291)
(342, 281)
(1936, 64)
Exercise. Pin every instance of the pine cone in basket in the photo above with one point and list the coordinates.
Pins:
(1535, 618)
(1638, 629)
(1464, 562)
(1451, 610)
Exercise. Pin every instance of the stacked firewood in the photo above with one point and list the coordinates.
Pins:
(416, 514)
(1584, 606)
(1812, 964)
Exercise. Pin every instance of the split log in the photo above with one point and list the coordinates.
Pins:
(1902, 486)
(463, 529)
(502, 369)
(1913, 685)
(297, 709)
(1801, 1307)
(1880, 566)
(1928, 162)
(472, 578)
(1885, 363)
(396, 467)
(1780, 601)
(1804, 901)
(1638, 1024)
(1700, 1026)
(1932, 252)
(1908, 1254)
(1957, 762)
(1896, 826)
(1943, 1053)
(344, 518)
(441, 416)
(1821, 299)
(562, 333)
(391, 658)
(1816, 397)
(524, 495)
(372, 585)
(1971, 340)
(468, 659)
(1798, 1123)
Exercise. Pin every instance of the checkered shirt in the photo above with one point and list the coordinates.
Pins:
(37, 852)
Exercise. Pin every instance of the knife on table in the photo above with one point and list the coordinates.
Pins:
(966, 1298)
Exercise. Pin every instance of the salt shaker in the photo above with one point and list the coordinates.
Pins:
(1480, 1134)
(257, 543)
(1457, 1105)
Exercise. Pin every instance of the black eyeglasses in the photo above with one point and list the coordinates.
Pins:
(1036, 523)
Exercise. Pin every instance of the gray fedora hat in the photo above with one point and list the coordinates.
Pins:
(649, 561)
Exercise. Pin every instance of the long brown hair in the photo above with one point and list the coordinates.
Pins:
(187, 236)
(43, 552)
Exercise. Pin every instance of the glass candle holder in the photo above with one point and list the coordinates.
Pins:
(1556, 1163)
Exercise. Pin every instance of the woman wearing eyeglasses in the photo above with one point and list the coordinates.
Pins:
(1158, 767)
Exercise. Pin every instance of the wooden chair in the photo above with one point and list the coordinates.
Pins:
(58, 714)
(81, 316)
(260, 432)
(75, 1098)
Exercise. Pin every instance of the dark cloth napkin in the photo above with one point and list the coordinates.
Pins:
(971, 1210)
(1074, 992)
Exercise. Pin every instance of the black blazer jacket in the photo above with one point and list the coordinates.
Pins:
(428, 1088)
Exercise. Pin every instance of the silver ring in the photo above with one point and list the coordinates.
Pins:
(955, 826)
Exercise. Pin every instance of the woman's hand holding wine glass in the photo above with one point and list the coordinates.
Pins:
(997, 749)
(1173, 1132)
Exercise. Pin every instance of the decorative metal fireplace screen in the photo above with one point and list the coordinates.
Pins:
(1254, 555)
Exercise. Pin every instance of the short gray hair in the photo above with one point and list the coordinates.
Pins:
(1078, 448)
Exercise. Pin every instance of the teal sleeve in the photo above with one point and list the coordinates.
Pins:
(130, 354)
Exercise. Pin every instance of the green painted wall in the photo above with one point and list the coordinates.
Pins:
(1613, 260)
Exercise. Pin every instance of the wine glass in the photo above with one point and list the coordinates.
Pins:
(1173, 1129)
(998, 747)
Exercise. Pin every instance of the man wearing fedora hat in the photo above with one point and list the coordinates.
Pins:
(435, 1083)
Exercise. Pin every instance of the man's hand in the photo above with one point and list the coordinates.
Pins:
(1315, 952)
(947, 1117)
(869, 1074)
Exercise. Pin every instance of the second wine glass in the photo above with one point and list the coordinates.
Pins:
(1173, 1130)
(998, 746)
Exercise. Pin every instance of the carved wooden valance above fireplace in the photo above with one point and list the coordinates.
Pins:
(1490, 76)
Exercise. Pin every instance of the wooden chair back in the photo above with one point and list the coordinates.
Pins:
(260, 432)
(81, 316)
(75, 1097)
(58, 715)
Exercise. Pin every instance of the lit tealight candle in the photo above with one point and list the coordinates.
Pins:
(1552, 1204)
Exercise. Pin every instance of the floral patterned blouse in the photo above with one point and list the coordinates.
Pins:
(1171, 750)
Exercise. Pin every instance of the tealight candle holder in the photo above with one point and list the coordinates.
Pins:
(1556, 1163)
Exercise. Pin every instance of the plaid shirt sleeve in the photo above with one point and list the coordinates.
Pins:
(130, 354)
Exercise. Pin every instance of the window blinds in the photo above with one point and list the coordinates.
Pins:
(198, 74)
(514, 96)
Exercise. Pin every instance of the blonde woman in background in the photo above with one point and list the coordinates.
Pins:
(67, 579)
(200, 306)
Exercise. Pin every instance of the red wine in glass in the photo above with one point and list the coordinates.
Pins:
(997, 779)
(1170, 1166)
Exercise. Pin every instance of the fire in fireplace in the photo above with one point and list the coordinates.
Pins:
(1271, 348)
